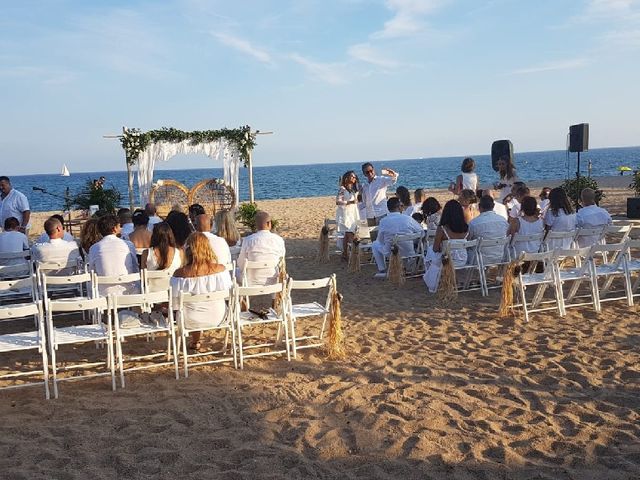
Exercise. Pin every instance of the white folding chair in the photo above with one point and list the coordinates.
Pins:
(470, 269)
(616, 267)
(25, 340)
(130, 283)
(414, 262)
(15, 265)
(249, 319)
(314, 309)
(145, 302)
(616, 233)
(587, 236)
(269, 267)
(79, 334)
(363, 233)
(531, 243)
(335, 237)
(558, 240)
(633, 263)
(541, 281)
(155, 280)
(185, 300)
(18, 290)
(61, 286)
(235, 252)
(576, 274)
(489, 257)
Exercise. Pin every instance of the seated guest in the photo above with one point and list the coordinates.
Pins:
(590, 216)
(528, 223)
(560, 217)
(141, 236)
(126, 223)
(225, 227)
(12, 240)
(56, 249)
(431, 210)
(262, 245)
(89, 235)
(469, 201)
(162, 254)
(195, 210)
(150, 210)
(203, 224)
(519, 191)
(406, 204)
(489, 225)
(419, 197)
(452, 227)
(113, 256)
(182, 228)
(498, 207)
(391, 225)
(201, 274)
(544, 200)
(66, 235)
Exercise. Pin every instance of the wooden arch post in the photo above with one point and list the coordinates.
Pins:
(129, 175)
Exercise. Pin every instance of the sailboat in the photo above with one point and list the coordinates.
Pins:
(65, 171)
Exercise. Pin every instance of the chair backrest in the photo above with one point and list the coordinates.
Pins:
(15, 271)
(310, 284)
(620, 231)
(140, 299)
(260, 290)
(533, 237)
(459, 244)
(79, 279)
(494, 250)
(271, 265)
(117, 279)
(12, 312)
(186, 298)
(76, 305)
(5, 257)
(536, 256)
(554, 240)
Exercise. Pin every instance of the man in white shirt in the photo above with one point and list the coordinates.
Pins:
(150, 210)
(374, 192)
(56, 249)
(262, 245)
(126, 223)
(489, 225)
(44, 237)
(393, 224)
(498, 208)
(13, 241)
(113, 256)
(590, 216)
(203, 223)
(13, 204)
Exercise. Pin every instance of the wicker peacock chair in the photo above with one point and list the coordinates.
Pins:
(213, 194)
(167, 193)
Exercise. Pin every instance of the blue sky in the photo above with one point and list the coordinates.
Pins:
(336, 80)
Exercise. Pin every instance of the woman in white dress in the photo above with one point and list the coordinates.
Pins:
(201, 274)
(528, 222)
(468, 179)
(347, 214)
(508, 177)
(161, 255)
(560, 217)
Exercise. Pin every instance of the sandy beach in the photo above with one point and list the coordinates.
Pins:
(427, 391)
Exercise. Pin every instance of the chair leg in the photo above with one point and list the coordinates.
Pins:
(524, 302)
(240, 347)
(185, 353)
(286, 336)
(45, 368)
(172, 333)
(292, 324)
(233, 348)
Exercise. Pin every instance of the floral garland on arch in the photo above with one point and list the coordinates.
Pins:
(135, 141)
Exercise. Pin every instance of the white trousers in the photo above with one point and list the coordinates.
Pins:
(380, 251)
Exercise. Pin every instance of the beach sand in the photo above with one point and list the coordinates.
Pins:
(427, 391)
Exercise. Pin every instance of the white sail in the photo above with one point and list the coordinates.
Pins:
(65, 171)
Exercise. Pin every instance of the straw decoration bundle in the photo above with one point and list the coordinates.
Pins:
(282, 278)
(396, 269)
(506, 296)
(354, 258)
(447, 288)
(335, 344)
(323, 251)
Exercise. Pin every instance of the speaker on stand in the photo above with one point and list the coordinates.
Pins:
(499, 149)
(579, 141)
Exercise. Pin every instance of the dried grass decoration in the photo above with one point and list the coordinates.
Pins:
(506, 296)
(323, 251)
(396, 269)
(282, 278)
(447, 288)
(354, 258)
(335, 344)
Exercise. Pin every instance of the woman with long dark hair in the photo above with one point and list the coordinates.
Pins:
(181, 227)
(431, 211)
(560, 217)
(161, 255)
(347, 215)
(527, 223)
(403, 194)
(507, 172)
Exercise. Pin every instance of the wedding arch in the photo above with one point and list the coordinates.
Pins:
(232, 146)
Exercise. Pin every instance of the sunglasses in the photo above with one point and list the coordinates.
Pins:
(368, 172)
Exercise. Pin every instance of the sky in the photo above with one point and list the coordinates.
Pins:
(335, 80)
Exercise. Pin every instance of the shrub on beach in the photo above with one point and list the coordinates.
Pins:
(246, 215)
(574, 186)
(107, 199)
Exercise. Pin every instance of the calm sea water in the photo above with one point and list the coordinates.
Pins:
(322, 179)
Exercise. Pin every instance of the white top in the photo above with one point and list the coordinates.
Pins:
(13, 242)
(411, 209)
(469, 181)
(57, 250)
(501, 210)
(158, 284)
(592, 216)
(544, 205)
(515, 209)
(506, 190)
(262, 245)
(12, 206)
(202, 314)
(489, 225)
(560, 223)
(152, 221)
(44, 237)
(374, 195)
(397, 224)
(220, 247)
(529, 228)
(347, 214)
(125, 230)
(113, 256)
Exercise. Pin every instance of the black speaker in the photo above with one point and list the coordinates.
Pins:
(579, 137)
(501, 148)
(633, 207)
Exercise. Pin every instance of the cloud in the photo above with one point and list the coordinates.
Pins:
(326, 72)
(244, 46)
(408, 17)
(366, 53)
(551, 66)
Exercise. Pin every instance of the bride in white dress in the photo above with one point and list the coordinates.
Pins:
(347, 214)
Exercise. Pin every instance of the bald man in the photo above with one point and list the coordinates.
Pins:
(56, 249)
(203, 223)
(261, 246)
(590, 216)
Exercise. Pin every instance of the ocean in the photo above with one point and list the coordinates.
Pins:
(291, 181)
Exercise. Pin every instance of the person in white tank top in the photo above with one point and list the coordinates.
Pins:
(528, 222)
(467, 180)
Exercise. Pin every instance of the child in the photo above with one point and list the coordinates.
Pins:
(544, 200)
(467, 180)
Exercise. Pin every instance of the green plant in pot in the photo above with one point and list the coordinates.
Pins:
(246, 215)
(94, 193)
(574, 186)
(633, 203)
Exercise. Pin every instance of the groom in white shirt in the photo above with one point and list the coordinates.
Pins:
(374, 192)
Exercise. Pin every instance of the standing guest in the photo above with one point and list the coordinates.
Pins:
(403, 194)
(498, 207)
(13, 204)
(391, 225)
(560, 217)
(181, 227)
(141, 236)
(469, 201)
(89, 236)
(374, 192)
(489, 225)
(225, 227)
(151, 211)
(347, 215)
(507, 172)
(431, 210)
(203, 224)
(126, 223)
(56, 249)
(44, 237)
(528, 223)
(12, 240)
(590, 216)
(202, 273)
(419, 197)
(452, 227)
(113, 256)
(544, 200)
(161, 255)
(262, 245)
(467, 180)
